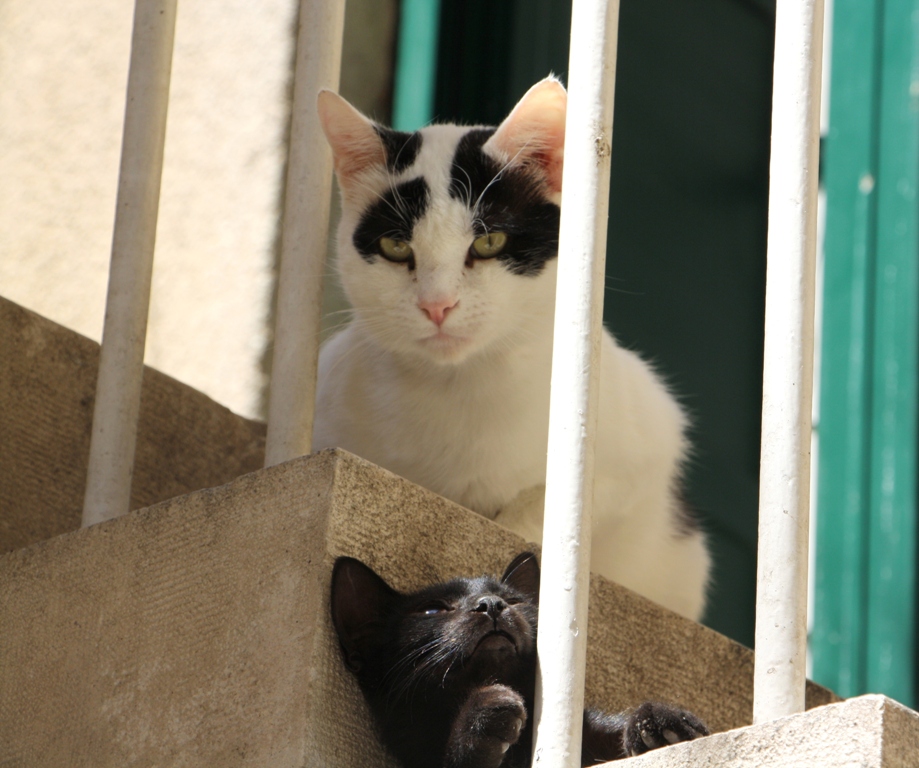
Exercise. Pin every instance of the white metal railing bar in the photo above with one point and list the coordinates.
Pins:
(781, 591)
(562, 639)
(304, 235)
(121, 360)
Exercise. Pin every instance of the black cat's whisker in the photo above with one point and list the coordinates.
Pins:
(403, 664)
(443, 680)
(397, 670)
(436, 650)
(516, 568)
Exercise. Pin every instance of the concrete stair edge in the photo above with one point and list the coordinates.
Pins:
(186, 441)
(869, 731)
(196, 631)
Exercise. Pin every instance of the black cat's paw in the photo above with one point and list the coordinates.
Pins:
(655, 725)
(488, 724)
(497, 712)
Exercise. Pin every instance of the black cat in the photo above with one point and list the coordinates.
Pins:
(449, 671)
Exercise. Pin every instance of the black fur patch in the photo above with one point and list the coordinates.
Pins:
(401, 148)
(513, 203)
(393, 215)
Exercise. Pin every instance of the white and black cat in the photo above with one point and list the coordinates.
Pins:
(447, 252)
(449, 672)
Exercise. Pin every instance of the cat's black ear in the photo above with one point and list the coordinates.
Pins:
(523, 575)
(360, 600)
(533, 134)
(356, 145)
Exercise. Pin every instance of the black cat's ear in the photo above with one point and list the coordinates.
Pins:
(533, 134)
(523, 575)
(360, 600)
(356, 145)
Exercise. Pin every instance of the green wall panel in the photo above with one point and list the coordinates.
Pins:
(416, 64)
(865, 613)
(892, 553)
(839, 633)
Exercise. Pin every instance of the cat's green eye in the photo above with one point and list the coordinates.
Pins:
(395, 250)
(490, 245)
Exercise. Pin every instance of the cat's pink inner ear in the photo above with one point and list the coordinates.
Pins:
(533, 133)
(355, 144)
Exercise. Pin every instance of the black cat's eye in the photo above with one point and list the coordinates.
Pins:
(433, 609)
(397, 251)
(488, 246)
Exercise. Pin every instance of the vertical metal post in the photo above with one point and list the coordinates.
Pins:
(304, 235)
(562, 641)
(781, 594)
(121, 361)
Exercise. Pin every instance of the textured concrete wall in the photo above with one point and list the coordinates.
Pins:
(865, 732)
(64, 73)
(186, 441)
(61, 111)
(196, 632)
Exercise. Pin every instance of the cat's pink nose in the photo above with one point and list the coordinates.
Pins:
(437, 309)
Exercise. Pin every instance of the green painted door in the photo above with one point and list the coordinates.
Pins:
(865, 613)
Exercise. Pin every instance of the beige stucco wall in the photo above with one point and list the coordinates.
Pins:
(63, 70)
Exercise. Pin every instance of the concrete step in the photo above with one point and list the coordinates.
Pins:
(185, 440)
(865, 732)
(196, 632)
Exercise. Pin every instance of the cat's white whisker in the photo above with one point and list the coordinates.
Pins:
(496, 177)
(397, 205)
(465, 186)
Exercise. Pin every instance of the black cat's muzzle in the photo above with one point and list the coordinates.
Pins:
(496, 641)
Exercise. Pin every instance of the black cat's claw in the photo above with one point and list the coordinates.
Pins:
(654, 725)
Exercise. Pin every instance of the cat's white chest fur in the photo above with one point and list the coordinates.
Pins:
(476, 433)
(447, 252)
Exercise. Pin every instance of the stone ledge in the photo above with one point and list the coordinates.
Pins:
(185, 440)
(196, 632)
(864, 732)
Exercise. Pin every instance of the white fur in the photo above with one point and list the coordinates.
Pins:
(464, 411)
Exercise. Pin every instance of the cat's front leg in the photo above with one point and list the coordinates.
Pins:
(652, 725)
(488, 724)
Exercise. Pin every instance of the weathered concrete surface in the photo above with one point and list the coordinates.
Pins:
(196, 632)
(865, 732)
(185, 442)
(62, 93)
